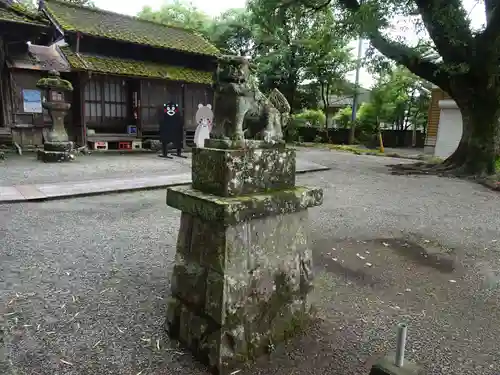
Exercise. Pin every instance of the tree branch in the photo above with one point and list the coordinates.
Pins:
(404, 55)
(446, 22)
(491, 34)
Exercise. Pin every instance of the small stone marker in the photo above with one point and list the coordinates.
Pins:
(243, 267)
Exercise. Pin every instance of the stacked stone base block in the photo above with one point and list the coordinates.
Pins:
(243, 268)
(53, 156)
(54, 152)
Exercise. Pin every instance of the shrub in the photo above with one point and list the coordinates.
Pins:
(310, 117)
(343, 117)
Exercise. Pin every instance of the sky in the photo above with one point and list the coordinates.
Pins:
(214, 8)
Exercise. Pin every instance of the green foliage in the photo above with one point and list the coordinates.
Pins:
(32, 5)
(289, 41)
(179, 13)
(310, 117)
(330, 57)
(308, 96)
(460, 59)
(343, 117)
(289, 45)
(367, 118)
(232, 32)
(400, 99)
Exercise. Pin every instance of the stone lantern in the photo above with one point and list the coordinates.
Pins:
(57, 146)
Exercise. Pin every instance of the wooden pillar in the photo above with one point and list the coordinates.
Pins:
(184, 95)
(83, 78)
(3, 88)
(139, 121)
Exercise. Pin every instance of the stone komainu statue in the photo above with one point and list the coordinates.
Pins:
(240, 109)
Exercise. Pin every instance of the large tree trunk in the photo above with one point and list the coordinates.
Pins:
(478, 148)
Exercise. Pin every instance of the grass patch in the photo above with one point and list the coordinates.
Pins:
(347, 148)
(358, 150)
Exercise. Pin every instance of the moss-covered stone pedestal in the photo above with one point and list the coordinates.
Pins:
(57, 146)
(243, 267)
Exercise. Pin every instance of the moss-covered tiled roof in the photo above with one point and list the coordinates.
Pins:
(134, 68)
(18, 13)
(119, 27)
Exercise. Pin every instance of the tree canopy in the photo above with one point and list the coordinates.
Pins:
(301, 48)
(461, 60)
(179, 13)
(291, 46)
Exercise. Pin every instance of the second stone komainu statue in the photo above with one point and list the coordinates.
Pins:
(243, 267)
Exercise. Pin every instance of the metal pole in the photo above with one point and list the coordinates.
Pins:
(400, 345)
(356, 80)
(352, 133)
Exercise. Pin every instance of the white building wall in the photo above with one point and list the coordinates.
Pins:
(449, 129)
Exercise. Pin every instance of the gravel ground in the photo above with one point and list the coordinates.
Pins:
(22, 170)
(83, 281)
(27, 170)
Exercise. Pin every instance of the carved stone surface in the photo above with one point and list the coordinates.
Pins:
(239, 290)
(231, 210)
(243, 266)
(237, 95)
(58, 146)
(57, 112)
(242, 144)
(54, 156)
(231, 173)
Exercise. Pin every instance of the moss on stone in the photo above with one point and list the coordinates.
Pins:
(54, 82)
(18, 13)
(227, 172)
(134, 68)
(232, 210)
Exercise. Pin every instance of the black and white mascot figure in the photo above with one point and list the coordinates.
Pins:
(171, 129)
